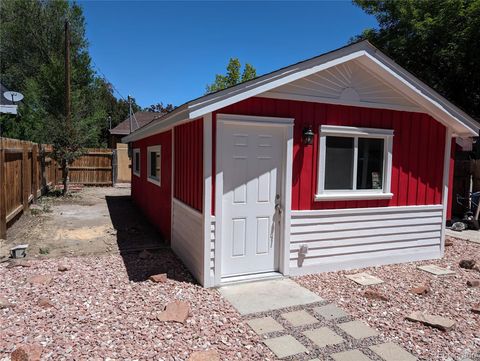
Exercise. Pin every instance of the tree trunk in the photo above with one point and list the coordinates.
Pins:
(65, 177)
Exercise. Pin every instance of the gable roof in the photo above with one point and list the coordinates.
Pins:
(423, 97)
(139, 119)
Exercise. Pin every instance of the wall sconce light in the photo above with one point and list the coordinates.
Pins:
(307, 135)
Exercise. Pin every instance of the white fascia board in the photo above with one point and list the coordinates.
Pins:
(243, 93)
(8, 109)
(438, 107)
(159, 126)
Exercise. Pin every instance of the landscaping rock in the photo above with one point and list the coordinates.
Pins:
(439, 322)
(176, 311)
(473, 283)
(467, 263)
(476, 308)
(18, 263)
(44, 302)
(160, 278)
(420, 290)
(144, 254)
(40, 279)
(210, 355)
(375, 295)
(63, 268)
(30, 352)
(448, 243)
(4, 303)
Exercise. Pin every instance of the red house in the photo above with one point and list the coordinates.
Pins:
(340, 161)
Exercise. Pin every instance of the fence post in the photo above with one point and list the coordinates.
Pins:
(35, 172)
(3, 195)
(25, 190)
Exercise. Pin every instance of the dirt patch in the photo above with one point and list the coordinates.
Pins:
(93, 221)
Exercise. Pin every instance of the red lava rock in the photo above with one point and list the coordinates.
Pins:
(210, 355)
(448, 243)
(160, 278)
(420, 290)
(176, 311)
(375, 295)
(473, 283)
(40, 279)
(63, 268)
(44, 302)
(30, 352)
(18, 263)
(4, 303)
(467, 263)
(476, 308)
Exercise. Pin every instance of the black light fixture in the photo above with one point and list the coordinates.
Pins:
(307, 135)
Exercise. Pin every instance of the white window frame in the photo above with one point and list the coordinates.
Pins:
(155, 180)
(134, 163)
(355, 133)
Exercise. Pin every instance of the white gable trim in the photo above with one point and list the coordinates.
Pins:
(372, 59)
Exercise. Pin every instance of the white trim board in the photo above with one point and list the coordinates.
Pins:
(363, 52)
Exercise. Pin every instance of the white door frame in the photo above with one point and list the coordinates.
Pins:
(286, 201)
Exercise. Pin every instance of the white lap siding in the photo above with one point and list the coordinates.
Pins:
(187, 237)
(353, 238)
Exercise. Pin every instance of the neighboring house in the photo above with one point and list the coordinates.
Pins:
(337, 162)
(139, 119)
(6, 105)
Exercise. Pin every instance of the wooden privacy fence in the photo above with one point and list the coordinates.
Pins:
(27, 171)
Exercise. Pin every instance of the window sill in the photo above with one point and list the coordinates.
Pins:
(136, 174)
(154, 181)
(351, 196)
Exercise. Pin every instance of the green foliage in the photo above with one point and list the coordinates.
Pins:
(159, 108)
(436, 40)
(32, 62)
(233, 76)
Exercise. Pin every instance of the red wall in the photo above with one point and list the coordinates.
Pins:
(188, 168)
(418, 149)
(155, 201)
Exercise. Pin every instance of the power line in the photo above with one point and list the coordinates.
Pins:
(109, 82)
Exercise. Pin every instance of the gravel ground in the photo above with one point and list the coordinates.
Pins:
(449, 297)
(100, 312)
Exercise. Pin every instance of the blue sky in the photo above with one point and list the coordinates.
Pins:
(168, 51)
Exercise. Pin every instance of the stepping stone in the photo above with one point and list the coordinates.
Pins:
(285, 346)
(437, 271)
(210, 355)
(358, 330)
(439, 322)
(392, 352)
(264, 325)
(330, 312)
(323, 337)
(299, 318)
(364, 279)
(176, 311)
(353, 355)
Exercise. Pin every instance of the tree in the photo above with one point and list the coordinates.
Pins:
(233, 76)
(31, 48)
(438, 41)
(159, 108)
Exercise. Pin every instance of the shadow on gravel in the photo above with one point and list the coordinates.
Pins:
(142, 248)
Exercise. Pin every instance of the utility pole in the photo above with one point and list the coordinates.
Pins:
(130, 112)
(68, 114)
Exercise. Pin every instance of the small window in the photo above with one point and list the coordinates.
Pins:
(154, 164)
(136, 162)
(354, 163)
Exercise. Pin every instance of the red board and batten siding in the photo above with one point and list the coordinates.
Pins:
(417, 159)
(154, 200)
(188, 168)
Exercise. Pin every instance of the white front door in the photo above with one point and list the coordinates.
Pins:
(251, 157)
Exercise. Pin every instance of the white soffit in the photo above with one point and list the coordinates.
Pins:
(348, 83)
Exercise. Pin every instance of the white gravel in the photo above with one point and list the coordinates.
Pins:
(99, 313)
(449, 297)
